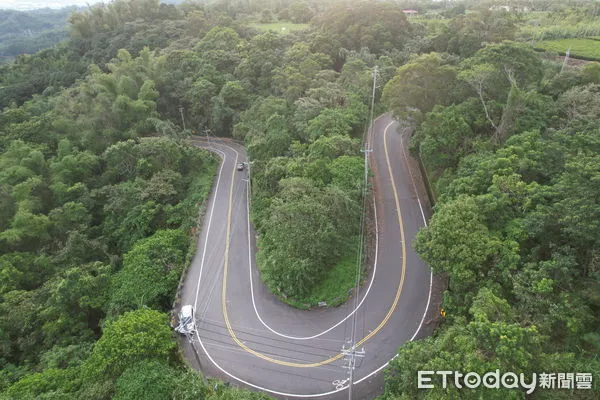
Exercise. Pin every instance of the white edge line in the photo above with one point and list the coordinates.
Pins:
(212, 209)
(213, 286)
(425, 224)
(295, 394)
(252, 280)
(200, 339)
(412, 179)
(430, 283)
(345, 387)
(260, 387)
(282, 334)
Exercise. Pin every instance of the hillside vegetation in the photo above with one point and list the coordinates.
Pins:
(26, 32)
(100, 191)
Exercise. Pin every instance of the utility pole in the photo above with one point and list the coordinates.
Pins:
(249, 164)
(351, 354)
(367, 148)
(566, 60)
(375, 71)
(182, 120)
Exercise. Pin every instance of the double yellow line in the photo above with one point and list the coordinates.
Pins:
(360, 342)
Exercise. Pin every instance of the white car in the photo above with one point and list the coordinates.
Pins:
(187, 324)
(240, 166)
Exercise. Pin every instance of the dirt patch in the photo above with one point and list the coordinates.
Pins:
(574, 63)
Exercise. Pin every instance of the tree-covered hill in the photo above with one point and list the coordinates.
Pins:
(98, 186)
(100, 194)
(26, 32)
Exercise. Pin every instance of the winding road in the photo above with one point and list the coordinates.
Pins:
(245, 335)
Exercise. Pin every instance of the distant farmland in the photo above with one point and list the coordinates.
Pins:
(586, 49)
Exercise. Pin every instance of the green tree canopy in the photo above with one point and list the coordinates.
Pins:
(151, 271)
(135, 336)
(419, 85)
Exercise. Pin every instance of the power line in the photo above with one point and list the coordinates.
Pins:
(244, 328)
(294, 355)
(273, 339)
(274, 351)
(238, 351)
(351, 354)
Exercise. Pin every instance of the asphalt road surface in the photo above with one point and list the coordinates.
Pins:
(246, 336)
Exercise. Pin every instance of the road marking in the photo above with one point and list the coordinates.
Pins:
(224, 297)
(412, 178)
(360, 342)
(358, 381)
(430, 282)
(214, 282)
(212, 210)
(275, 392)
(252, 280)
(224, 300)
(401, 225)
(424, 223)
(252, 287)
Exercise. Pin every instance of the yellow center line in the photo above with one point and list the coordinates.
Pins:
(360, 342)
(401, 225)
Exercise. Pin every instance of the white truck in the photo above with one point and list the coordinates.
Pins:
(187, 323)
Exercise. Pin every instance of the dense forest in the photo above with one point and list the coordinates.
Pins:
(100, 189)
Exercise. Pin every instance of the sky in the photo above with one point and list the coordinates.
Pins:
(33, 4)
